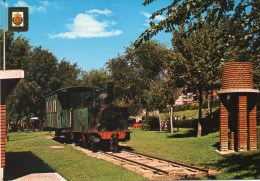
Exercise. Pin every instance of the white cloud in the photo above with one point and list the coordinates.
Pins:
(32, 9)
(148, 15)
(87, 26)
(105, 12)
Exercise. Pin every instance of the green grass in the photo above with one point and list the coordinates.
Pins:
(187, 114)
(27, 149)
(30, 153)
(184, 147)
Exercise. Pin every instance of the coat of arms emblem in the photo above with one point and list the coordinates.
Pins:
(17, 19)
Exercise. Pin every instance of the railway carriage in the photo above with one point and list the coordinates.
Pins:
(87, 115)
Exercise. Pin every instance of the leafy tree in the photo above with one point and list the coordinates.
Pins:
(43, 74)
(40, 79)
(95, 78)
(242, 25)
(136, 73)
(243, 15)
(67, 74)
(240, 37)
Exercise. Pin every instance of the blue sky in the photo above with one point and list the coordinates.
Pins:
(87, 32)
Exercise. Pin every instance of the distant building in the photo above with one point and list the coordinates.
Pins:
(188, 98)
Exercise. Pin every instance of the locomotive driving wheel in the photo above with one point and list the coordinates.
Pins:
(114, 143)
(94, 143)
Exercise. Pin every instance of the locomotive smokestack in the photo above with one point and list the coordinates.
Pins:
(110, 96)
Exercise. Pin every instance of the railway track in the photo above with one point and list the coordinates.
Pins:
(158, 169)
(151, 167)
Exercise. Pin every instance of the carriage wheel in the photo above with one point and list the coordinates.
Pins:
(93, 146)
(84, 141)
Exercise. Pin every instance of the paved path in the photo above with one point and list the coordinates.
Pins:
(42, 177)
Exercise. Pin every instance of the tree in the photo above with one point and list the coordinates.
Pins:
(188, 17)
(138, 75)
(67, 74)
(43, 75)
(198, 61)
(192, 14)
(95, 78)
(133, 73)
(241, 33)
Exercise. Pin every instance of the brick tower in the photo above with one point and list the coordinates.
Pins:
(238, 119)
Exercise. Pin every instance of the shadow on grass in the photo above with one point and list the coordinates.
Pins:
(240, 166)
(63, 140)
(19, 164)
(186, 134)
(25, 138)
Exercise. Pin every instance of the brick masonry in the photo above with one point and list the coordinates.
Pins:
(223, 128)
(237, 75)
(252, 130)
(3, 133)
(242, 124)
(239, 113)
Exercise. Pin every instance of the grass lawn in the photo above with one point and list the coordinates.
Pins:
(184, 147)
(30, 153)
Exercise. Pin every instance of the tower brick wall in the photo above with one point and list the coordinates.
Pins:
(223, 128)
(242, 123)
(239, 113)
(3, 133)
(252, 130)
(237, 75)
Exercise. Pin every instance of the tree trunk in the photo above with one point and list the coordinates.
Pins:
(200, 113)
(211, 103)
(171, 114)
(160, 122)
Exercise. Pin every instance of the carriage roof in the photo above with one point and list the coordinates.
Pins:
(74, 89)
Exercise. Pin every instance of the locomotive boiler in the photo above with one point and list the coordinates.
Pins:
(87, 115)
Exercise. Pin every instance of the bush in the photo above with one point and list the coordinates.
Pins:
(194, 106)
(151, 124)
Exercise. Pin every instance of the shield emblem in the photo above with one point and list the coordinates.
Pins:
(17, 19)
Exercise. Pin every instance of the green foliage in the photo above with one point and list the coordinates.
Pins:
(194, 106)
(237, 32)
(43, 74)
(151, 123)
(95, 78)
(67, 74)
(139, 77)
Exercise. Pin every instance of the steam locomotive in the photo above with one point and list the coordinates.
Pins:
(87, 115)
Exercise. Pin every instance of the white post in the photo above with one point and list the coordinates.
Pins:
(1, 174)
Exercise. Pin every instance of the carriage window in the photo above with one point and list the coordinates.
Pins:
(76, 100)
(87, 101)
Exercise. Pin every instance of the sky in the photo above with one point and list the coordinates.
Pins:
(87, 32)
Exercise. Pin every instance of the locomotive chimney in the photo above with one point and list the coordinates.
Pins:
(110, 88)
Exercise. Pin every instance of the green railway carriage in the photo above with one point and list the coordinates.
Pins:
(87, 115)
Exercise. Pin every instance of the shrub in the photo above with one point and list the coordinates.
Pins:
(151, 124)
